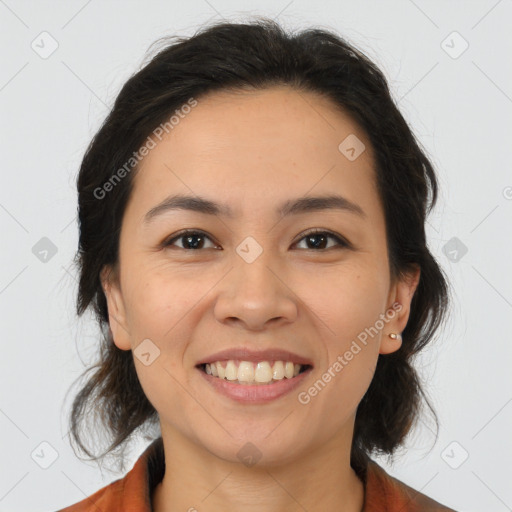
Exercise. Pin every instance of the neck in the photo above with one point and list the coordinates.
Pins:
(197, 480)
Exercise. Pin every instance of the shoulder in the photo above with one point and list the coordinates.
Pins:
(133, 491)
(107, 498)
(384, 493)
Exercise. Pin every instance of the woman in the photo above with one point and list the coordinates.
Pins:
(252, 240)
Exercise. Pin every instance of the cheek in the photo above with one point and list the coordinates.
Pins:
(160, 301)
(159, 308)
(349, 309)
(348, 300)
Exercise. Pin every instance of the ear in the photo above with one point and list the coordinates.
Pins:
(398, 311)
(116, 308)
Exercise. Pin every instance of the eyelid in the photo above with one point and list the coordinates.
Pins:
(342, 242)
(180, 234)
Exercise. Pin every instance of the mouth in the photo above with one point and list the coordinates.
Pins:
(254, 376)
(253, 382)
(254, 373)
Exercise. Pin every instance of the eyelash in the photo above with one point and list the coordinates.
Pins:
(341, 243)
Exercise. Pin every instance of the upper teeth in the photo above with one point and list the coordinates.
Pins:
(246, 371)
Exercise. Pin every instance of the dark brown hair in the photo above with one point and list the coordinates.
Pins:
(237, 56)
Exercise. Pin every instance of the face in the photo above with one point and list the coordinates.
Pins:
(252, 277)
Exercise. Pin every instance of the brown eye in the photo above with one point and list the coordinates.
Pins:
(191, 240)
(318, 239)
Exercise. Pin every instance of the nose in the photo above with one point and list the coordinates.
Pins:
(255, 296)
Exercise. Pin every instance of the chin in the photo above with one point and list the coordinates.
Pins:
(259, 450)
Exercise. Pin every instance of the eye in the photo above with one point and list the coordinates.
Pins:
(318, 239)
(193, 240)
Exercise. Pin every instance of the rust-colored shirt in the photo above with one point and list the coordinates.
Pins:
(132, 493)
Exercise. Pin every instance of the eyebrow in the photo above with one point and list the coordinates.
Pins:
(290, 207)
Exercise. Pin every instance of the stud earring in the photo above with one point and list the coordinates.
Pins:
(395, 336)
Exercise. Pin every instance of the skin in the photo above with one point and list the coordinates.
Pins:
(253, 151)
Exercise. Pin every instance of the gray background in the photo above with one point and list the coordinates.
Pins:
(459, 105)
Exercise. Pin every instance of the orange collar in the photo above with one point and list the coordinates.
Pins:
(383, 493)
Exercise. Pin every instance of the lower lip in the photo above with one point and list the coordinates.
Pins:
(255, 394)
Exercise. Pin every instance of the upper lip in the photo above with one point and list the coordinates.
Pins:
(246, 354)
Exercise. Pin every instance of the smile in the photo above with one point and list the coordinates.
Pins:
(236, 379)
(248, 372)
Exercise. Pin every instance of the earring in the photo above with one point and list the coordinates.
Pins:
(395, 336)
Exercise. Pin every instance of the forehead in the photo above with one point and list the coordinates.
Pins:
(253, 146)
